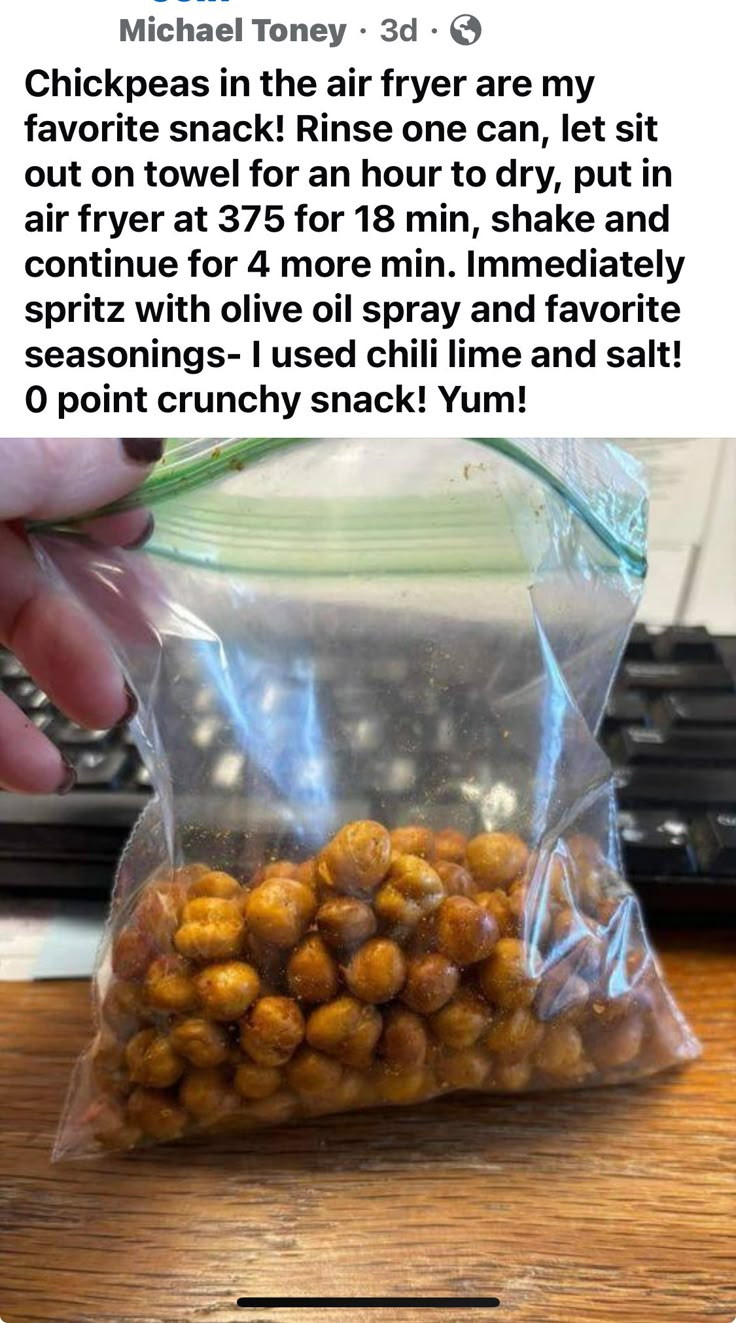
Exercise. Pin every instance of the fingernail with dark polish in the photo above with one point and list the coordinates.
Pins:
(130, 710)
(143, 450)
(141, 540)
(69, 779)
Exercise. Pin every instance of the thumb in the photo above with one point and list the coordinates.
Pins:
(54, 478)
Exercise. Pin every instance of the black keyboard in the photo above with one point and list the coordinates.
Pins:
(670, 730)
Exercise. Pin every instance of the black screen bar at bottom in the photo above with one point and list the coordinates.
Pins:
(369, 1302)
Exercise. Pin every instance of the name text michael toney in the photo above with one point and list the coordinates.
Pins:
(266, 29)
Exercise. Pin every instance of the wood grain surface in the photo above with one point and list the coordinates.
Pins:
(604, 1206)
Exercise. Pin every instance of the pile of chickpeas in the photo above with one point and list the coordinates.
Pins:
(391, 967)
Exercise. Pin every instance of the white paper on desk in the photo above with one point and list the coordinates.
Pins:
(49, 939)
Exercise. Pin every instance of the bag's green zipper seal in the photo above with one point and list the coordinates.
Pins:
(189, 464)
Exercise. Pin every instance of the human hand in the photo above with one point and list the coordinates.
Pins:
(56, 640)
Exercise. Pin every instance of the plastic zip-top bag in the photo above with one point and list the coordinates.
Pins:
(380, 863)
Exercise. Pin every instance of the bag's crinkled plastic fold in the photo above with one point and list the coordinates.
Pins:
(381, 862)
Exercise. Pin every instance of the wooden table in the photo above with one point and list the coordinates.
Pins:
(606, 1207)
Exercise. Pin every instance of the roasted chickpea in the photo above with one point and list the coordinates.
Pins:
(158, 911)
(462, 1020)
(512, 1076)
(513, 1035)
(464, 1069)
(345, 923)
(415, 840)
(412, 891)
(218, 886)
(431, 980)
(562, 994)
(314, 1074)
(124, 1009)
(189, 873)
(307, 873)
(279, 1108)
(280, 910)
(377, 971)
(496, 903)
(132, 953)
(207, 1094)
(226, 990)
(312, 972)
(254, 1082)
(408, 1086)
(157, 1114)
(111, 1126)
(560, 1053)
(276, 868)
(211, 929)
(450, 846)
(199, 1042)
(466, 932)
(611, 1045)
(169, 986)
(456, 880)
(345, 1028)
(506, 977)
(403, 1043)
(495, 858)
(272, 1030)
(109, 1066)
(152, 1060)
(356, 859)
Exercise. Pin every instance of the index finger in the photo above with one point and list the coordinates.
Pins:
(53, 478)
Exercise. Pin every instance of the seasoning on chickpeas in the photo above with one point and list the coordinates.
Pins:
(496, 903)
(412, 891)
(152, 1061)
(218, 886)
(462, 1020)
(415, 840)
(211, 929)
(280, 910)
(169, 986)
(158, 1114)
(377, 971)
(345, 923)
(456, 880)
(495, 858)
(254, 1081)
(450, 845)
(356, 859)
(431, 980)
(345, 1028)
(506, 977)
(272, 1030)
(200, 1042)
(226, 989)
(312, 972)
(466, 932)
(403, 1044)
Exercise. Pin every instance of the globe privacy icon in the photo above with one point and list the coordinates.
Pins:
(465, 29)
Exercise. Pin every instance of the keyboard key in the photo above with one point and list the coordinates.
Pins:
(700, 787)
(69, 733)
(27, 695)
(685, 643)
(714, 839)
(11, 668)
(677, 675)
(693, 744)
(626, 706)
(655, 843)
(682, 710)
(640, 645)
(98, 769)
